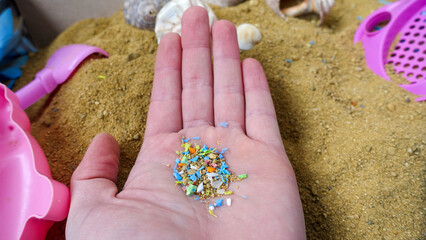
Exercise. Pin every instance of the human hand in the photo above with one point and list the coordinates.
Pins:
(188, 101)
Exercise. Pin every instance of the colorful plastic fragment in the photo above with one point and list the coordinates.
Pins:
(203, 172)
(242, 176)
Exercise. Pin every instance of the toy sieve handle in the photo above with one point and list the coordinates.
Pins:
(43, 84)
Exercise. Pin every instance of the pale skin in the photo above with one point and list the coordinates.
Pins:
(191, 98)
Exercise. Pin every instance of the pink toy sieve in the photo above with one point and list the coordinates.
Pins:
(407, 18)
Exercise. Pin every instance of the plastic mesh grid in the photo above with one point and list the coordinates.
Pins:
(409, 55)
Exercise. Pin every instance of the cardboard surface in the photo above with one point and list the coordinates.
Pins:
(45, 19)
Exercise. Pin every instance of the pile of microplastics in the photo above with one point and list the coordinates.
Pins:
(203, 172)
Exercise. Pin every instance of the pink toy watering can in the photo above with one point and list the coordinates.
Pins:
(30, 200)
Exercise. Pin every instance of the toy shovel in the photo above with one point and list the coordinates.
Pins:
(30, 200)
(58, 68)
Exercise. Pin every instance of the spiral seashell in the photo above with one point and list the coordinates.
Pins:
(170, 16)
(248, 36)
(321, 7)
(224, 3)
(142, 13)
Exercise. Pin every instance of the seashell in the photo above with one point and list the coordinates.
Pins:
(248, 36)
(321, 7)
(224, 3)
(170, 16)
(142, 13)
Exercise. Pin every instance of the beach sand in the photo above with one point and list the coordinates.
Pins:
(356, 141)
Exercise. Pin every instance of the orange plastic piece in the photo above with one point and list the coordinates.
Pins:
(192, 150)
(181, 164)
(210, 169)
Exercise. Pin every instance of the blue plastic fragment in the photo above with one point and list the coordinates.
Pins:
(177, 160)
(177, 176)
(244, 196)
(223, 150)
(185, 153)
(194, 159)
(218, 203)
(312, 42)
(224, 124)
(384, 2)
(204, 148)
(288, 60)
(196, 138)
(198, 174)
(359, 18)
(185, 140)
(362, 106)
(221, 178)
(193, 177)
(201, 168)
(324, 61)
(196, 198)
(220, 156)
(206, 158)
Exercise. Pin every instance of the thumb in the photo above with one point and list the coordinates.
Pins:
(96, 175)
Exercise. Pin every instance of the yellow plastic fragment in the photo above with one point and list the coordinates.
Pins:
(177, 182)
(211, 213)
(228, 192)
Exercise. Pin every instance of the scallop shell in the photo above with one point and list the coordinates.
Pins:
(142, 13)
(224, 3)
(248, 36)
(170, 16)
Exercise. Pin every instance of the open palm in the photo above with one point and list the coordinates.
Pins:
(188, 101)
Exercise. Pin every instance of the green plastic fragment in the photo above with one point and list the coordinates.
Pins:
(184, 160)
(101, 77)
(242, 176)
(228, 192)
(186, 146)
(190, 190)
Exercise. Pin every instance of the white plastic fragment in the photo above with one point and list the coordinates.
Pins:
(228, 201)
(194, 167)
(210, 175)
(200, 187)
(221, 191)
(217, 184)
(211, 207)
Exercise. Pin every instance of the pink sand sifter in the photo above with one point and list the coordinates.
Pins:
(407, 18)
(30, 200)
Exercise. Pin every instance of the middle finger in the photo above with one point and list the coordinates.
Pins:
(197, 90)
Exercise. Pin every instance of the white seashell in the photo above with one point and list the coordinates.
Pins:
(224, 3)
(248, 36)
(170, 16)
(142, 13)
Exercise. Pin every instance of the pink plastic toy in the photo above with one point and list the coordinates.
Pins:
(407, 17)
(30, 200)
(58, 68)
